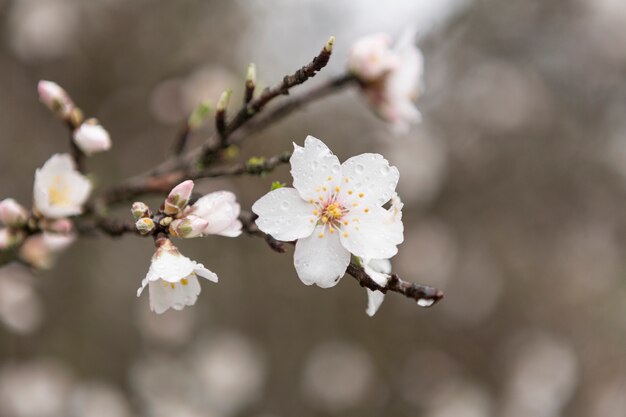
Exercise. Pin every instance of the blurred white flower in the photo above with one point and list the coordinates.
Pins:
(12, 213)
(460, 398)
(173, 279)
(334, 210)
(337, 376)
(34, 389)
(20, 306)
(55, 98)
(220, 211)
(97, 399)
(9, 238)
(60, 190)
(392, 78)
(230, 370)
(92, 138)
(41, 250)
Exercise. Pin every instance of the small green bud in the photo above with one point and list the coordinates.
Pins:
(276, 185)
(199, 115)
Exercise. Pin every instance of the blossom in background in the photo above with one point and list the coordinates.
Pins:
(334, 210)
(60, 190)
(392, 77)
(92, 138)
(220, 211)
(41, 250)
(12, 214)
(172, 279)
(55, 98)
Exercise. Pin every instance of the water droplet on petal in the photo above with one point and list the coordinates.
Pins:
(359, 168)
(284, 205)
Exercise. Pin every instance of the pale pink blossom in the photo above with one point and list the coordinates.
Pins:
(60, 190)
(91, 138)
(221, 212)
(41, 250)
(178, 198)
(12, 213)
(55, 98)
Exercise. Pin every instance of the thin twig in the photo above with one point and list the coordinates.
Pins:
(182, 139)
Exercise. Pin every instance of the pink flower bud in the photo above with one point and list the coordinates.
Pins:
(55, 98)
(178, 198)
(6, 239)
(145, 225)
(92, 138)
(12, 213)
(62, 226)
(188, 227)
(140, 210)
(42, 250)
(371, 57)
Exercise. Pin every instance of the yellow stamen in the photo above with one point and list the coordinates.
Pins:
(311, 201)
(172, 285)
(321, 235)
(330, 178)
(367, 210)
(350, 192)
(184, 281)
(361, 195)
(59, 193)
(345, 223)
(324, 188)
(336, 189)
(347, 179)
(331, 230)
(345, 234)
(315, 212)
(324, 219)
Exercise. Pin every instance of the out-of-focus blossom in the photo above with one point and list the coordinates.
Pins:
(96, 399)
(92, 138)
(178, 198)
(55, 98)
(460, 398)
(391, 77)
(60, 190)
(334, 210)
(220, 211)
(41, 250)
(20, 306)
(337, 376)
(61, 226)
(12, 214)
(34, 389)
(9, 238)
(230, 371)
(173, 279)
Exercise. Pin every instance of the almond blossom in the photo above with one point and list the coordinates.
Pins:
(333, 211)
(41, 250)
(12, 213)
(391, 76)
(55, 98)
(172, 279)
(378, 270)
(60, 190)
(220, 211)
(91, 137)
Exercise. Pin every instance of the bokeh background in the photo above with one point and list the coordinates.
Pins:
(514, 187)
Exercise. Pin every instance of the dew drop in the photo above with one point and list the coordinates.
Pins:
(284, 205)
(384, 170)
(425, 302)
(359, 168)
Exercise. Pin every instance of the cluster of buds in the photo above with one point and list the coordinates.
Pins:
(13, 218)
(215, 213)
(89, 136)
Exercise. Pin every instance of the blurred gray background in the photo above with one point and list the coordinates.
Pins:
(514, 187)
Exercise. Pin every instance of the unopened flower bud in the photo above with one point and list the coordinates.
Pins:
(7, 239)
(62, 226)
(165, 221)
(178, 198)
(145, 225)
(55, 98)
(12, 213)
(189, 227)
(139, 210)
(92, 138)
(224, 100)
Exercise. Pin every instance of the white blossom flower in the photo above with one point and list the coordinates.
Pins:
(12, 213)
(334, 210)
(60, 190)
(41, 250)
(371, 57)
(393, 84)
(173, 279)
(55, 98)
(188, 227)
(92, 138)
(221, 212)
(378, 270)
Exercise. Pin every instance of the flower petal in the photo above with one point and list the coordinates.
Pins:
(205, 273)
(321, 260)
(284, 215)
(378, 270)
(374, 300)
(165, 295)
(314, 167)
(373, 234)
(371, 181)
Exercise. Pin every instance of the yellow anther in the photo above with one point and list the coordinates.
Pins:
(347, 179)
(324, 219)
(324, 188)
(345, 223)
(355, 204)
(330, 178)
(350, 192)
(315, 212)
(311, 201)
(184, 281)
(345, 234)
(331, 230)
(361, 195)
(367, 210)
(172, 285)
(336, 189)
(321, 235)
